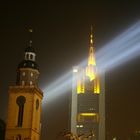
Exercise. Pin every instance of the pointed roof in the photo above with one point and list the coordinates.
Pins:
(30, 47)
(90, 69)
(91, 57)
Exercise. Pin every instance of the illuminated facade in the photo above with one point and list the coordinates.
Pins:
(88, 99)
(25, 98)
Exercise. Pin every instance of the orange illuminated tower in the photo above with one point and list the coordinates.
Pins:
(25, 99)
(88, 99)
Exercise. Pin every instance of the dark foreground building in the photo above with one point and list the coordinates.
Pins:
(2, 129)
(135, 136)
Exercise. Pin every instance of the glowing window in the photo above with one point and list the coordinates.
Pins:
(23, 83)
(31, 74)
(31, 82)
(23, 73)
(88, 117)
(81, 126)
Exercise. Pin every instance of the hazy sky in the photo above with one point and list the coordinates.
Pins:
(61, 35)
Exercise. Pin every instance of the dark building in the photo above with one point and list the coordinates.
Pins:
(2, 129)
(135, 136)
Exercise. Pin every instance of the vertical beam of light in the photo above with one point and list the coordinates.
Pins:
(121, 49)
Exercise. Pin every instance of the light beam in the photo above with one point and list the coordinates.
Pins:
(121, 49)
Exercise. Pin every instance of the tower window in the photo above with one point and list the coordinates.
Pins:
(31, 74)
(27, 56)
(31, 56)
(23, 73)
(31, 82)
(23, 83)
(20, 101)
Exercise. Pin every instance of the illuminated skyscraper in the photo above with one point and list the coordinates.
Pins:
(24, 108)
(88, 99)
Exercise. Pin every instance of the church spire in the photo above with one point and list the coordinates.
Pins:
(30, 40)
(28, 70)
(90, 70)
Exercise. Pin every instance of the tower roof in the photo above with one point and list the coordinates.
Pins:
(30, 49)
(28, 64)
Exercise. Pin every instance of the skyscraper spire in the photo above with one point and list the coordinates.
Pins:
(90, 70)
(91, 36)
(91, 57)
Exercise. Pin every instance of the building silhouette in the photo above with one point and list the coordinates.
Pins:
(88, 99)
(2, 129)
(135, 136)
(24, 107)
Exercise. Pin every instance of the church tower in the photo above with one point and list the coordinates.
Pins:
(25, 100)
(88, 99)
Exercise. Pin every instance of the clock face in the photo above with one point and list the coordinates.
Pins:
(37, 104)
(21, 100)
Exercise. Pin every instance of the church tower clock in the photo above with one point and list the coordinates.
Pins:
(25, 99)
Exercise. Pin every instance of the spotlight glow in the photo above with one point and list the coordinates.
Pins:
(121, 49)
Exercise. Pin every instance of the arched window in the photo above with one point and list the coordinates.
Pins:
(31, 83)
(31, 56)
(27, 56)
(20, 101)
(23, 83)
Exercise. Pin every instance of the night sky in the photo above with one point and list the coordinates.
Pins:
(61, 39)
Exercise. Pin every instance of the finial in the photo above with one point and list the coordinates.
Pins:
(30, 40)
(91, 35)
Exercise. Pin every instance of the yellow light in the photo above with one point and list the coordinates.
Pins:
(81, 126)
(90, 72)
(80, 87)
(91, 58)
(97, 85)
(81, 82)
(30, 30)
(77, 126)
(88, 114)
